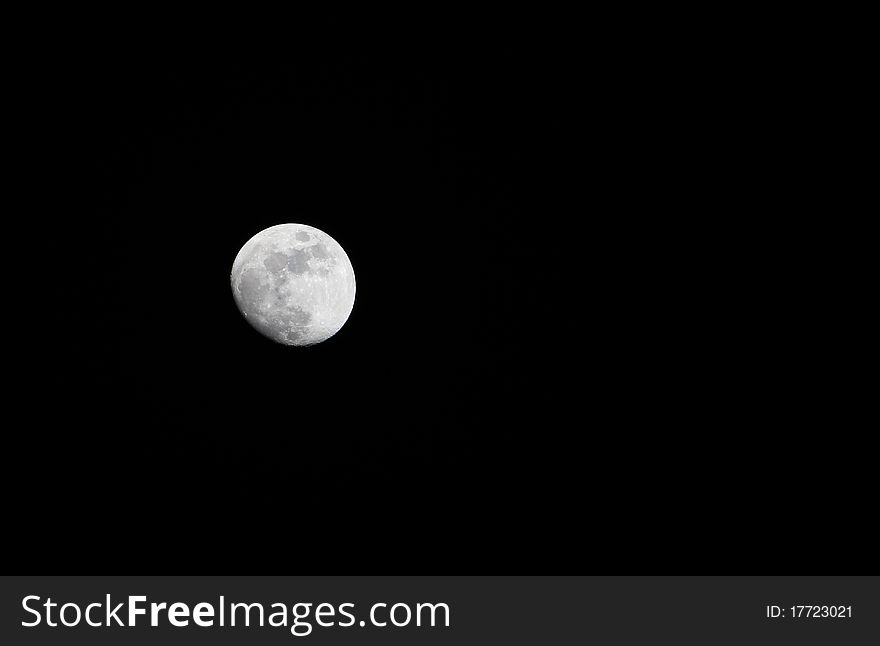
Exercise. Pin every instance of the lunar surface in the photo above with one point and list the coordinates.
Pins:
(294, 284)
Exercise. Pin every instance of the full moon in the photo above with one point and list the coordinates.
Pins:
(294, 284)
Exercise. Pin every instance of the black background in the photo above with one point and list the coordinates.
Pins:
(567, 349)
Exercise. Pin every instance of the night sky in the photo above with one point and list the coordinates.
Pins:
(525, 383)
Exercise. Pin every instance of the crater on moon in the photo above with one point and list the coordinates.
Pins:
(294, 284)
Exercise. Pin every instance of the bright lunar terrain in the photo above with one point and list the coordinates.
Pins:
(294, 284)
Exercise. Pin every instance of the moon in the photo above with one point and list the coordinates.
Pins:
(294, 284)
